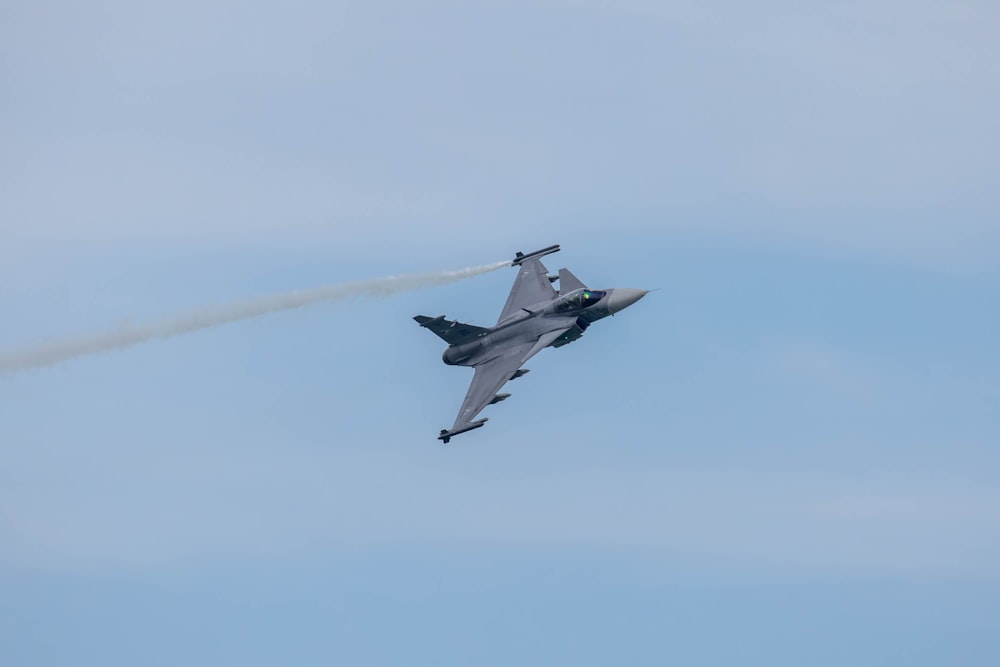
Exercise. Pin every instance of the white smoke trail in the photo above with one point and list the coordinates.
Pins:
(124, 336)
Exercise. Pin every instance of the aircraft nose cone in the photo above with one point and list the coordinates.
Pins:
(623, 297)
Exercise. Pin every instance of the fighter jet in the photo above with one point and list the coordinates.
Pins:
(535, 317)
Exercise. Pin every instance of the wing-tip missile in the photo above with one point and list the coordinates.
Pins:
(521, 257)
(447, 435)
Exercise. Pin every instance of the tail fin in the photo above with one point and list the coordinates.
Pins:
(451, 332)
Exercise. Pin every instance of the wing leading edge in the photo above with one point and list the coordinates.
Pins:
(530, 287)
(493, 374)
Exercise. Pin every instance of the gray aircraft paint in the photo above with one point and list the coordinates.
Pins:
(535, 316)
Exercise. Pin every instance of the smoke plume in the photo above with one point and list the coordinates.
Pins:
(131, 334)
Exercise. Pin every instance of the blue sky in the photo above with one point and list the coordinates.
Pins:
(787, 455)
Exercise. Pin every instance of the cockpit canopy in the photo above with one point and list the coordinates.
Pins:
(579, 299)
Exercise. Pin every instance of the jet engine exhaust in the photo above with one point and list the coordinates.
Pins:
(46, 354)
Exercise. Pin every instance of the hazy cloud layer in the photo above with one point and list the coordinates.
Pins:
(868, 127)
(791, 445)
(190, 505)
